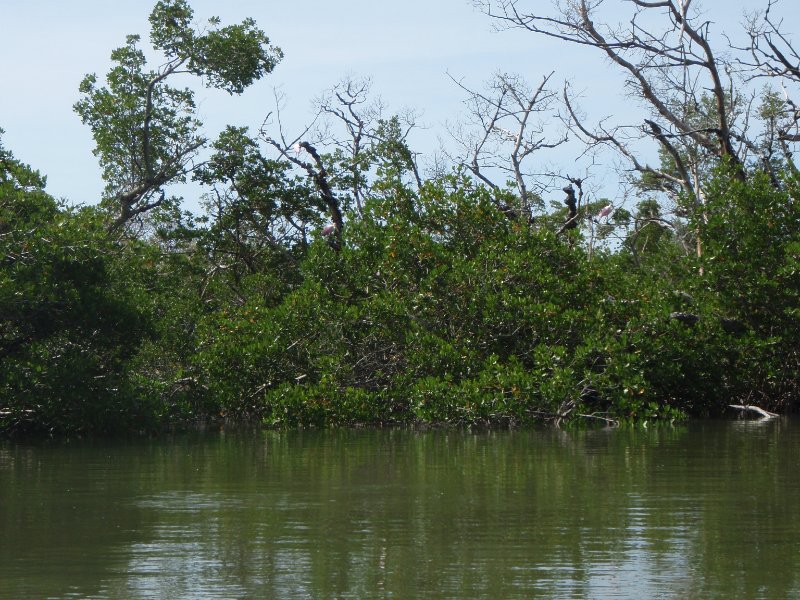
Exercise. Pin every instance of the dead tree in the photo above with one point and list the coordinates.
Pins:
(348, 103)
(664, 50)
(316, 171)
(292, 150)
(344, 146)
(508, 123)
(668, 67)
(771, 56)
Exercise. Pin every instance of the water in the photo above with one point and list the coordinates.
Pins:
(706, 510)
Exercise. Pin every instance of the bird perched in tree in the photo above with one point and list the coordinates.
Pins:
(328, 229)
(605, 211)
(572, 208)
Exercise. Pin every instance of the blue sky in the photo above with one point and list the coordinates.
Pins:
(407, 48)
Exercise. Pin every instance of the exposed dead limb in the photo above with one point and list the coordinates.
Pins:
(315, 170)
(611, 422)
(506, 133)
(672, 67)
(319, 175)
(347, 102)
(772, 52)
(614, 140)
(754, 409)
(774, 57)
(356, 141)
(686, 180)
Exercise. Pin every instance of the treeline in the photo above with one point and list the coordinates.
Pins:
(339, 285)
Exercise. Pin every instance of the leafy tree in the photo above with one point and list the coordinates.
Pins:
(146, 130)
(67, 326)
(752, 282)
(259, 219)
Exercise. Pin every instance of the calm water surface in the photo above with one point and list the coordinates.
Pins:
(706, 510)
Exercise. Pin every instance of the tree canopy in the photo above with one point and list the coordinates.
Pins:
(146, 130)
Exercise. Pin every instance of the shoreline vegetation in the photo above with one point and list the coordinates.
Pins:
(339, 285)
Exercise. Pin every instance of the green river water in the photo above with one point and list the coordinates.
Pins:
(703, 510)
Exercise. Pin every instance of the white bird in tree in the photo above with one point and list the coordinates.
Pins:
(605, 211)
(506, 134)
(328, 229)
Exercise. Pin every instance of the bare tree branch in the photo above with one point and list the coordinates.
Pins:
(506, 133)
(669, 69)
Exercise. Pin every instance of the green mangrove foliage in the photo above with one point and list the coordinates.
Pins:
(146, 131)
(69, 324)
(432, 301)
(436, 308)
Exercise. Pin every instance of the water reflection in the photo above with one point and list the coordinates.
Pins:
(706, 510)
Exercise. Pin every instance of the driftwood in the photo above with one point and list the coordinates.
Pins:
(754, 409)
(610, 422)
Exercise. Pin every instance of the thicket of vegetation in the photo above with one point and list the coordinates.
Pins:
(331, 281)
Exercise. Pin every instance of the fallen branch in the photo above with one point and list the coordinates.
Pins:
(750, 408)
(609, 421)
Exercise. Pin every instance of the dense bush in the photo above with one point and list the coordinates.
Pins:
(435, 307)
(69, 324)
(440, 309)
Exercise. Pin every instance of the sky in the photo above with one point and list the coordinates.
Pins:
(408, 49)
